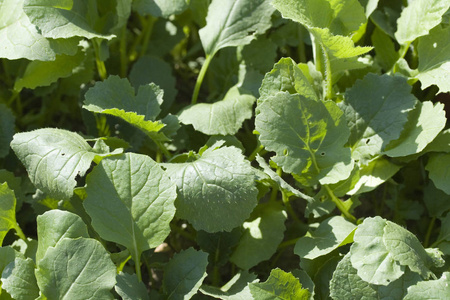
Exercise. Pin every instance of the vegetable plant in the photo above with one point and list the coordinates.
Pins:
(228, 149)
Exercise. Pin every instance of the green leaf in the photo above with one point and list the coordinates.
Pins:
(331, 234)
(432, 289)
(217, 191)
(235, 289)
(436, 201)
(18, 279)
(21, 39)
(115, 96)
(425, 122)
(76, 269)
(437, 167)
(54, 157)
(376, 109)
(232, 23)
(8, 255)
(434, 59)
(7, 210)
(44, 73)
(54, 225)
(264, 231)
(418, 18)
(307, 136)
(7, 122)
(130, 288)
(386, 55)
(279, 285)
(224, 117)
(184, 274)
(369, 5)
(160, 8)
(287, 76)
(64, 20)
(130, 201)
(382, 249)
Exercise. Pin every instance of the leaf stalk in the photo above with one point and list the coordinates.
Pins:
(200, 78)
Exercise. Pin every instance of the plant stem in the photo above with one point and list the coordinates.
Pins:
(200, 77)
(163, 149)
(19, 232)
(288, 206)
(329, 78)
(137, 265)
(100, 64)
(123, 52)
(149, 22)
(429, 231)
(255, 152)
(340, 205)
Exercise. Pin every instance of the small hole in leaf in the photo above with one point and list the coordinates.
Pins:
(251, 33)
(368, 141)
(62, 154)
(323, 153)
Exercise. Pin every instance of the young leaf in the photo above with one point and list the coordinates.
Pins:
(160, 8)
(418, 18)
(331, 234)
(279, 285)
(233, 23)
(216, 192)
(52, 19)
(184, 274)
(130, 288)
(76, 269)
(7, 210)
(224, 117)
(18, 279)
(115, 96)
(130, 200)
(54, 225)
(21, 39)
(308, 137)
(54, 157)
(434, 59)
(432, 289)
(437, 167)
(376, 110)
(235, 289)
(7, 121)
(263, 233)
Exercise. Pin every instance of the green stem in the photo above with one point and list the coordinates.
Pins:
(123, 53)
(401, 54)
(20, 233)
(429, 231)
(329, 78)
(163, 149)
(147, 34)
(137, 265)
(288, 206)
(340, 205)
(200, 77)
(255, 152)
(101, 69)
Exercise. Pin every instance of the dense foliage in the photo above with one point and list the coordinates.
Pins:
(232, 149)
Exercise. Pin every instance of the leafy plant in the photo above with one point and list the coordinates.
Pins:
(315, 166)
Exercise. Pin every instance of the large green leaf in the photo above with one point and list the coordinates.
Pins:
(160, 8)
(279, 285)
(76, 269)
(224, 117)
(434, 59)
(130, 288)
(264, 231)
(115, 96)
(54, 225)
(432, 289)
(235, 289)
(217, 191)
(234, 23)
(7, 210)
(7, 121)
(331, 234)
(376, 109)
(386, 55)
(21, 39)
(382, 249)
(54, 158)
(131, 202)
(308, 137)
(418, 18)
(184, 274)
(18, 279)
(64, 20)
(437, 167)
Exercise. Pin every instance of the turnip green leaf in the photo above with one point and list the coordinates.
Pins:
(76, 269)
(55, 225)
(434, 59)
(224, 117)
(235, 289)
(7, 210)
(437, 167)
(233, 23)
(184, 274)
(8, 255)
(418, 18)
(160, 8)
(54, 157)
(220, 183)
(386, 55)
(376, 109)
(264, 231)
(130, 288)
(18, 279)
(331, 234)
(432, 289)
(308, 137)
(279, 285)
(138, 188)
(7, 120)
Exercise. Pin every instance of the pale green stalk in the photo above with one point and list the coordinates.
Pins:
(200, 77)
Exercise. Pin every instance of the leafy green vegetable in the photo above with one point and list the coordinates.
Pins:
(129, 287)
(6, 129)
(236, 288)
(438, 171)
(160, 8)
(7, 210)
(18, 279)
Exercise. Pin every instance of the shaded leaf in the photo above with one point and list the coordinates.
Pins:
(18, 279)
(7, 121)
(432, 289)
(7, 210)
(130, 288)
(437, 167)
(279, 285)
(160, 8)
(235, 289)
